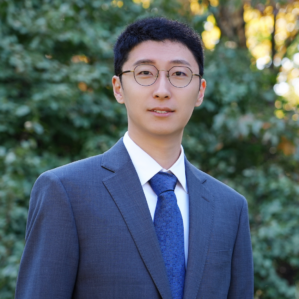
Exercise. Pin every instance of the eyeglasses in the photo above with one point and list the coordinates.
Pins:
(147, 74)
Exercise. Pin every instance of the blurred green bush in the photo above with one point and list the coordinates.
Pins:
(57, 106)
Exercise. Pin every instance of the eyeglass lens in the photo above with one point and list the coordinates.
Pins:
(146, 75)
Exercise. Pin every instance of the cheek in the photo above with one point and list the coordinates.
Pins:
(188, 105)
(134, 102)
(189, 100)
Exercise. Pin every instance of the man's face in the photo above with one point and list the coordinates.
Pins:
(144, 104)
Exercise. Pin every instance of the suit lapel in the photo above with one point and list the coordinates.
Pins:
(125, 189)
(201, 217)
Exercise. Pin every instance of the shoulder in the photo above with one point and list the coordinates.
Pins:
(222, 193)
(77, 169)
(76, 176)
(89, 171)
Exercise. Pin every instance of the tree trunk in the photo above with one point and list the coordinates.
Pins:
(231, 22)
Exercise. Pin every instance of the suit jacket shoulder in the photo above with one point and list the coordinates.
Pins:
(222, 193)
(92, 168)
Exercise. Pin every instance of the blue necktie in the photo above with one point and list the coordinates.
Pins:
(170, 231)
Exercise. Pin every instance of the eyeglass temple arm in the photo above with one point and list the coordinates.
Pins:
(125, 72)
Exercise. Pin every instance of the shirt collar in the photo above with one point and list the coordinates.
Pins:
(146, 167)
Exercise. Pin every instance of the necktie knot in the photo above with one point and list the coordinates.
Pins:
(162, 182)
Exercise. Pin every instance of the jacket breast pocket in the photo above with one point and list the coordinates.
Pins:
(219, 257)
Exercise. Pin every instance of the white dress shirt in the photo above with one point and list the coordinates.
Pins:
(146, 167)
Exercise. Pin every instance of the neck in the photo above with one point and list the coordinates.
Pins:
(165, 150)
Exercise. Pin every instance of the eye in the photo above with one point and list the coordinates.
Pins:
(179, 74)
(145, 73)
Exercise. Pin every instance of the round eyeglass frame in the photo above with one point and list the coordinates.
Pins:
(133, 71)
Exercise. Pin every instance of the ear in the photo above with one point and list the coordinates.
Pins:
(201, 93)
(117, 89)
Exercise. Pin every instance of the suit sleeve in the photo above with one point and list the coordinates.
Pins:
(241, 285)
(50, 259)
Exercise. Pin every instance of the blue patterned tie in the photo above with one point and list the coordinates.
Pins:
(170, 231)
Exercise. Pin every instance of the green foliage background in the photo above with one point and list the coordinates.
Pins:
(47, 121)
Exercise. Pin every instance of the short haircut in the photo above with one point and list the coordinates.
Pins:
(156, 29)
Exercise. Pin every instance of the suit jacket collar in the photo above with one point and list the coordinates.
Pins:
(201, 220)
(125, 189)
(116, 157)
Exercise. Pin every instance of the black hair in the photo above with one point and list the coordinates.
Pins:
(156, 29)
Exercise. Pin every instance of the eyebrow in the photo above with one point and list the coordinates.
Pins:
(180, 61)
(144, 61)
(149, 61)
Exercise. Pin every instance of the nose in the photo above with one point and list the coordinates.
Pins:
(162, 86)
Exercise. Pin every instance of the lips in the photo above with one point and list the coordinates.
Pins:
(162, 110)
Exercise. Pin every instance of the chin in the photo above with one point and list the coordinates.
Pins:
(164, 132)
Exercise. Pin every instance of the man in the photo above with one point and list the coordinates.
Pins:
(139, 221)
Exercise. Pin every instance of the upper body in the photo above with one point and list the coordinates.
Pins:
(90, 234)
(90, 230)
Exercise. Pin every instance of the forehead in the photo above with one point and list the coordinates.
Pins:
(161, 53)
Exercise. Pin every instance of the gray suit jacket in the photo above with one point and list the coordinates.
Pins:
(90, 235)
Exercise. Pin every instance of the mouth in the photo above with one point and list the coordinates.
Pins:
(161, 111)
